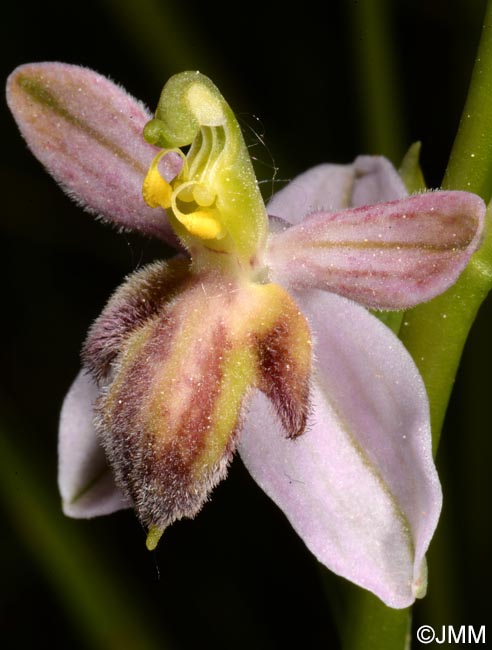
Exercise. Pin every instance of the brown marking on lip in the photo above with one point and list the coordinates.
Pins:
(169, 468)
(285, 363)
(164, 420)
(123, 431)
(154, 455)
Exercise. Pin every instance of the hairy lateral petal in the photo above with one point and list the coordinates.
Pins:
(370, 179)
(87, 132)
(387, 256)
(360, 486)
(85, 481)
(284, 356)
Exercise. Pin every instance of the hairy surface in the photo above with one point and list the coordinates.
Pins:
(139, 298)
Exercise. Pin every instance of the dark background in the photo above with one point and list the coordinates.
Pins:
(237, 576)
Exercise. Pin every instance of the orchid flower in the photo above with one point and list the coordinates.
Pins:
(256, 337)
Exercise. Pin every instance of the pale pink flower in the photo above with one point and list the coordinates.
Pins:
(359, 485)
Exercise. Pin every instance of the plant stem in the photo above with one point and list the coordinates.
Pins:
(470, 162)
(363, 621)
(373, 626)
(435, 333)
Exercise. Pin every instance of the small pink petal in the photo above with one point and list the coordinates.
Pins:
(387, 256)
(360, 486)
(370, 179)
(85, 482)
(87, 132)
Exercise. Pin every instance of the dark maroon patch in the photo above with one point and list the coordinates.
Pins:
(282, 380)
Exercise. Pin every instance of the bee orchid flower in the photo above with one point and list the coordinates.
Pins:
(257, 336)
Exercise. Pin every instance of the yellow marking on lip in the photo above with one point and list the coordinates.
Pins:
(239, 372)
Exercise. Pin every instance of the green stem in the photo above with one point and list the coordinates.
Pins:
(470, 163)
(363, 621)
(377, 78)
(373, 626)
(90, 589)
(435, 333)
